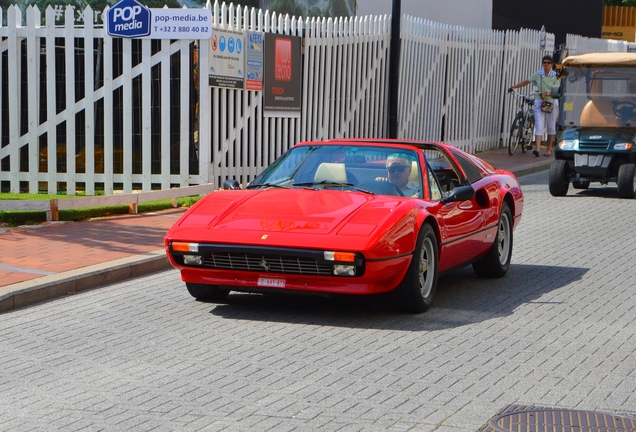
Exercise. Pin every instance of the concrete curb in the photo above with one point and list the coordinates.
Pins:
(71, 282)
(532, 168)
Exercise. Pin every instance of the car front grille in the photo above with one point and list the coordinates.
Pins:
(593, 145)
(266, 263)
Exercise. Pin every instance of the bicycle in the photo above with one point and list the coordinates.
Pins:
(522, 128)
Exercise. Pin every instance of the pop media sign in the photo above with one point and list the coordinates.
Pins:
(129, 19)
(282, 86)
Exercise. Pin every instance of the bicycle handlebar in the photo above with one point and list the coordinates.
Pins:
(527, 99)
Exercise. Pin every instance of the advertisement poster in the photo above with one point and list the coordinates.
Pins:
(282, 86)
(254, 61)
(227, 59)
(131, 19)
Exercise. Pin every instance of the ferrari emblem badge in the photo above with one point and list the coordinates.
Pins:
(264, 264)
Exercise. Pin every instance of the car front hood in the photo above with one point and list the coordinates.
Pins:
(284, 217)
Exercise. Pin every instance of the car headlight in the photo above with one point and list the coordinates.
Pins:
(344, 263)
(192, 260)
(344, 270)
(623, 146)
(569, 144)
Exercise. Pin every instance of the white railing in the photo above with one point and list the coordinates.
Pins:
(453, 81)
(344, 92)
(132, 116)
(92, 140)
(582, 45)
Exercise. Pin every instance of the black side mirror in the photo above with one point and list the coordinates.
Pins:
(231, 185)
(556, 92)
(460, 193)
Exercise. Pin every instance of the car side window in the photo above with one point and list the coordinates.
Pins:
(433, 184)
(446, 174)
(471, 171)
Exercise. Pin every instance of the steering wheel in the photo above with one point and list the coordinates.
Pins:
(387, 188)
(381, 187)
(624, 110)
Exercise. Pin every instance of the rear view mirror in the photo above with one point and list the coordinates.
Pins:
(460, 193)
(231, 185)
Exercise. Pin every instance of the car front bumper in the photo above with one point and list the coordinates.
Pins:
(379, 277)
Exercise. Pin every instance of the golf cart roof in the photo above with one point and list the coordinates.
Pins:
(608, 59)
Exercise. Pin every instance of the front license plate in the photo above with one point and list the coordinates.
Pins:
(269, 282)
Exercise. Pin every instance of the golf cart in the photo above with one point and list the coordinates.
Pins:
(598, 119)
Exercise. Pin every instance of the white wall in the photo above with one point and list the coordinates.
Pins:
(467, 13)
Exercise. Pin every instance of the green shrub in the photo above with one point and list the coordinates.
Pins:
(28, 217)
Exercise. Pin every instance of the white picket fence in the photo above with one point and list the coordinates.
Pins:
(577, 44)
(127, 126)
(40, 144)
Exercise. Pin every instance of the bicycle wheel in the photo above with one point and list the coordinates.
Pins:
(528, 133)
(516, 131)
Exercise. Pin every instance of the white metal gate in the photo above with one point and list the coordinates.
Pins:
(90, 120)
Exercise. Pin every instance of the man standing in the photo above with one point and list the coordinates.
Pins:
(545, 114)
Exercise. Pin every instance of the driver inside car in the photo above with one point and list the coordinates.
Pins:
(398, 167)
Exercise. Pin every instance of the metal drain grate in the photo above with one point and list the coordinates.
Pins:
(516, 418)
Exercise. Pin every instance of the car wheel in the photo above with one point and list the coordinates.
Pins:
(626, 181)
(496, 262)
(420, 282)
(558, 181)
(206, 292)
(580, 184)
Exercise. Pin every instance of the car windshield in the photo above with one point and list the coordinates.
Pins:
(345, 167)
(599, 96)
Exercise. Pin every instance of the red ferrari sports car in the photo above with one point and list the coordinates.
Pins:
(350, 217)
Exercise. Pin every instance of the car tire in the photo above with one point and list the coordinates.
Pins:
(626, 181)
(558, 181)
(580, 184)
(420, 282)
(496, 262)
(205, 292)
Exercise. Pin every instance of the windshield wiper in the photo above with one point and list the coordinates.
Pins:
(331, 183)
(266, 185)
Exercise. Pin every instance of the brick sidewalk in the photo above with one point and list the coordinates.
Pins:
(51, 248)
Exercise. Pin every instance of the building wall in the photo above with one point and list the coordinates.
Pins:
(579, 17)
(467, 13)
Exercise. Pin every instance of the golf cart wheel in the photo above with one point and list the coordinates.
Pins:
(559, 181)
(626, 181)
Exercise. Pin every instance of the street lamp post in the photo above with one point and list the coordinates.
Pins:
(394, 68)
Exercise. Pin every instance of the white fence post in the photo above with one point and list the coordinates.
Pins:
(89, 103)
(14, 20)
(108, 121)
(69, 112)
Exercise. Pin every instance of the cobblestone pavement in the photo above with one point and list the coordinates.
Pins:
(557, 331)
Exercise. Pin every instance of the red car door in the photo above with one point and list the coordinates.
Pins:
(461, 223)
(461, 228)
